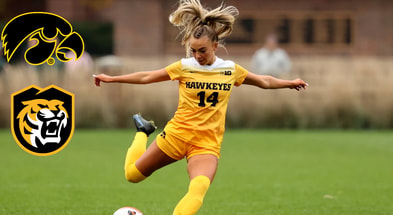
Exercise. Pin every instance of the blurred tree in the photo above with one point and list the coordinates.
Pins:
(98, 37)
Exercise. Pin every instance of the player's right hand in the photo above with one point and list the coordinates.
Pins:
(101, 77)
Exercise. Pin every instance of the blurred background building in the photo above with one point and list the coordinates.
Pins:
(343, 48)
(141, 27)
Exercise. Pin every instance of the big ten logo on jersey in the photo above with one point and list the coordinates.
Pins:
(46, 34)
(42, 120)
(228, 72)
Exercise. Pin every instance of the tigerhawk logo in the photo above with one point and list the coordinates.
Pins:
(48, 35)
(42, 120)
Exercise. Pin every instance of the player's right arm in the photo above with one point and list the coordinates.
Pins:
(145, 77)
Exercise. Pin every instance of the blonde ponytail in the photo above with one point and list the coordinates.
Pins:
(195, 20)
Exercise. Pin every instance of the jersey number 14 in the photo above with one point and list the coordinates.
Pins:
(213, 99)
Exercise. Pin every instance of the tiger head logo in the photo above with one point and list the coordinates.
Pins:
(42, 119)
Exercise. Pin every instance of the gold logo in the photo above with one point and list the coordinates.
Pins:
(42, 120)
(53, 36)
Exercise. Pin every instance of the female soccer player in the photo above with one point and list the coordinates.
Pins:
(205, 83)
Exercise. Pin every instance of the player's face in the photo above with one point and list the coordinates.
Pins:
(203, 50)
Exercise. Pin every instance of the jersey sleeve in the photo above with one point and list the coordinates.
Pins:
(174, 70)
(241, 74)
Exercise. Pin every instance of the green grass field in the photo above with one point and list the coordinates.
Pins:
(272, 172)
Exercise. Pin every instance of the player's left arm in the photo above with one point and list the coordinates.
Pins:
(270, 82)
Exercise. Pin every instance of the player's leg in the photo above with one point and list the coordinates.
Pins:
(151, 160)
(139, 162)
(201, 170)
(138, 147)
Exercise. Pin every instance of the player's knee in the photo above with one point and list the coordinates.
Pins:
(133, 175)
(131, 178)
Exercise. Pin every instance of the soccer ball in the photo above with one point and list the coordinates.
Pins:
(128, 211)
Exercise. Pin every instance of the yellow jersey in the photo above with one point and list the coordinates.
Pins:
(204, 92)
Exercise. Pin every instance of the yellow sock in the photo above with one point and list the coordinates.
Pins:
(192, 201)
(134, 152)
(133, 174)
